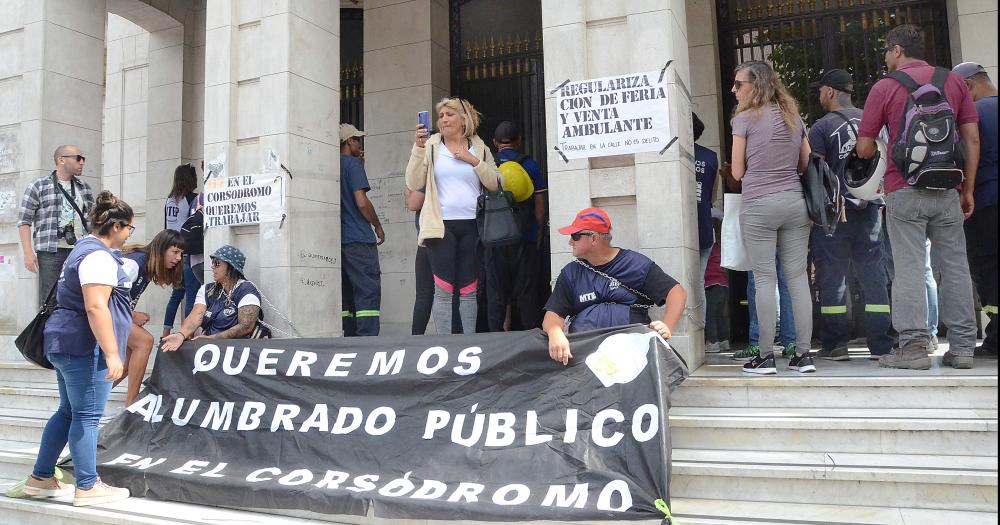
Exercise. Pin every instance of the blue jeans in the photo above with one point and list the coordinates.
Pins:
(187, 292)
(83, 392)
(859, 242)
(786, 322)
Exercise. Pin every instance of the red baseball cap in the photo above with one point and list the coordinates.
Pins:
(590, 219)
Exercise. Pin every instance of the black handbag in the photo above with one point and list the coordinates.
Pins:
(496, 217)
(29, 342)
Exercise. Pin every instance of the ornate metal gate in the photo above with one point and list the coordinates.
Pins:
(352, 72)
(500, 69)
(801, 38)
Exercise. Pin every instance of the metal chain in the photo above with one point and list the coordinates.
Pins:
(615, 283)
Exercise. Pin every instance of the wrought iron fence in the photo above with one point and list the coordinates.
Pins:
(801, 38)
(352, 97)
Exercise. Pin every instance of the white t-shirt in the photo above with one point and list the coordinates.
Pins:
(457, 185)
(99, 267)
(68, 214)
(248, 299)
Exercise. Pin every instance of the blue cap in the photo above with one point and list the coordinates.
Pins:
(231, 256)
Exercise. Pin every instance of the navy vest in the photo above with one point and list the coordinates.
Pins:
(602, 303)
(67, 330)
(221, 311)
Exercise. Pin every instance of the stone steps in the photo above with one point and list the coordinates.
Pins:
(872, 431)
(689, 511)
(967, 483)
(787, 391)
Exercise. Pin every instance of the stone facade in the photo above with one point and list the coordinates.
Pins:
(161, 83)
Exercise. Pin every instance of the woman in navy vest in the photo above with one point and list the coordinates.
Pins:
(85, 339)
(159, 263)
(228, 308)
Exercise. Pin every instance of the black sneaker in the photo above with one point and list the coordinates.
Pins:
(803, 363)
(763, 365)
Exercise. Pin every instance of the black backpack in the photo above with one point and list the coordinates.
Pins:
(193, 234)
(824, 198)
(928, 150)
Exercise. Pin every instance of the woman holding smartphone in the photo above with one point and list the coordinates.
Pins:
(451, 167)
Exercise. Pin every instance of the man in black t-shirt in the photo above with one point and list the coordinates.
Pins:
(606, 287)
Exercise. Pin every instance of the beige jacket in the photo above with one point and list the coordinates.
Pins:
(420, 176)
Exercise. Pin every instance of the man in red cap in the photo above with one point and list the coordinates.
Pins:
(606, 286)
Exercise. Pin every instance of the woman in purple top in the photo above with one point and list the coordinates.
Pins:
(770, 150)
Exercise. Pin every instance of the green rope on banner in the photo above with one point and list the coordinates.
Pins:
(662, 507)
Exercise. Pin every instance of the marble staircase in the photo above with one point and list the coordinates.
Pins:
(851, 444)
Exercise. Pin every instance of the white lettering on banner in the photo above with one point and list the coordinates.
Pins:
(613, 116)
(279, 361)
(244, 199)
(614, 496)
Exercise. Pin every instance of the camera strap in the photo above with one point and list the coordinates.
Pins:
(72, 199)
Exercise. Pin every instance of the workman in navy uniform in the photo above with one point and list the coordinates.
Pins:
(606, 286)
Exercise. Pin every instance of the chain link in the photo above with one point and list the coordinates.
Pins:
(615, 283)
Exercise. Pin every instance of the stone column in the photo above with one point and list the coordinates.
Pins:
(271, 83)
(650, 197)
(406, 70)
(51, 93)
(972, 28)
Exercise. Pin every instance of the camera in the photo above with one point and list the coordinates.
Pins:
(69, 233)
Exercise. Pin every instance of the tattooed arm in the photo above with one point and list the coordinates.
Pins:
(191, 324)
(246, 319)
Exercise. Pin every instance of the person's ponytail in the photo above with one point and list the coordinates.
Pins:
(108, 210)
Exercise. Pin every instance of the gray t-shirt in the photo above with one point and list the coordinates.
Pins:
(772, 152)
(833, 138)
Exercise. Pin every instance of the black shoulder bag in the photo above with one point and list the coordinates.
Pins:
(29, 342)
(496, 217)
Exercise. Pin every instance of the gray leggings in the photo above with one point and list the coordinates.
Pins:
(779, 222)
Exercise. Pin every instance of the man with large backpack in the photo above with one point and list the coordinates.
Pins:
(934, 145)
(858, 241)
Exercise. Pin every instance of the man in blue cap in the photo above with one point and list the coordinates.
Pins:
(981, 227)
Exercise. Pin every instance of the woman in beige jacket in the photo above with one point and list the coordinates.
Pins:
(451, 167)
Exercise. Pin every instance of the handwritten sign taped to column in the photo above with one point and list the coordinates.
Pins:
(613, 115)
(244, 199)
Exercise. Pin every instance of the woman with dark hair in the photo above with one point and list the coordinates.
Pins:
(84, 339)
(180, 204)
(227, 308)
(452, 166)
(770, 150)
(159, 263)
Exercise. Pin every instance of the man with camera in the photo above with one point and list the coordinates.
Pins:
(56, 206)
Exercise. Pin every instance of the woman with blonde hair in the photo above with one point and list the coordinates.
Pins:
(451, 167)
(770, 150)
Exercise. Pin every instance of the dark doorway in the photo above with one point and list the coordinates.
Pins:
(496, 63)
(352, 71)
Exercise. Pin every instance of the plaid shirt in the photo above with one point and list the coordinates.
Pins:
(41, 207)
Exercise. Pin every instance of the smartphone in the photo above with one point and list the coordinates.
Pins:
(424, 117)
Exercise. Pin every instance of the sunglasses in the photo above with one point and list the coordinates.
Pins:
(216, 263)
(579, 235)
(737, 84)
(79, 158)
(888, 48)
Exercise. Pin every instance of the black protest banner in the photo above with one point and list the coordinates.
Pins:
(482, 427)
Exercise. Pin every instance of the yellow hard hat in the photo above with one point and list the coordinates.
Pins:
(516, 180)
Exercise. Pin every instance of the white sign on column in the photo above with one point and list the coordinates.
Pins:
(613, 116)
(244, 199)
